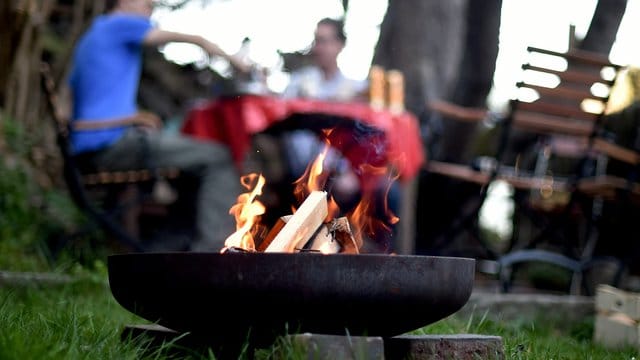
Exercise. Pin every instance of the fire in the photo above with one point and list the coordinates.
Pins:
(365, 216)
(366, 221)
(246, 212)
(315, 179)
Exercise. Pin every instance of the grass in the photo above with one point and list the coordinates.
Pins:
(546, 337)
(82, 321)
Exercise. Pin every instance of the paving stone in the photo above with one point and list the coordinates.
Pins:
(507, 307)
(9, 278)
(330, 347)
(441, 347)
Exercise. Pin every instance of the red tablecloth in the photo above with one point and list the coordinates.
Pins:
(232, 120)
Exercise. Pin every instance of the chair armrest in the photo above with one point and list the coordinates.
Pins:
(458, 112)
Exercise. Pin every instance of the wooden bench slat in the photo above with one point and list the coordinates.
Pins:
(557, 110)
(572, 76)
(511, 176)
(562, 92)
(589, 58)
(548, 124)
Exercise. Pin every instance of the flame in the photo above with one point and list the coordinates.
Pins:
(315, 179)
(368, 220)
(247, 213)
(364, 218)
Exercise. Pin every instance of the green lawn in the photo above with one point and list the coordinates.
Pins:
(83, 321)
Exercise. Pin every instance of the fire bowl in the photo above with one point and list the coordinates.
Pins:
(233, 295)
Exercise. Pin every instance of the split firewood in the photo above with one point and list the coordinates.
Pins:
(324, 241)
(235, 250)
(302, 225)
(273, 232)
(342, 234)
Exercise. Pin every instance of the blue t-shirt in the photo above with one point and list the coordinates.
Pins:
(105, 76)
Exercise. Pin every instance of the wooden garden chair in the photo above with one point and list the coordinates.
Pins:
(561, 124)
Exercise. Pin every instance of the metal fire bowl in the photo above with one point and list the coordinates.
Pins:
(269, 294)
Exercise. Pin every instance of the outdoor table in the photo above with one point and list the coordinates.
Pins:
(233, 120)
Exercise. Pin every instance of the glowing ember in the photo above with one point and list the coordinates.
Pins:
(246, 212)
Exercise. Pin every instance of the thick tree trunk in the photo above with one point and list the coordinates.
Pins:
(441, 199)
(475, 75)
(13, 20)
(604, 26)
(422, 38)
(37, 31)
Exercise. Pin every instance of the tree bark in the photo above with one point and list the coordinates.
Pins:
(604, 26)
(441, 200)
(13, 19)
(37, 31)
(421, 38)
(475, 75)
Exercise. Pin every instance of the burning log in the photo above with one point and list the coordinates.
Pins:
(327, 239)
(341, 232)
(302, 225)
(273, 232)
(307, 231)
(323, 241)
(235, 249)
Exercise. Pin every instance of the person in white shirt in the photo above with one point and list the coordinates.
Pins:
(321, 81)
(324, 80)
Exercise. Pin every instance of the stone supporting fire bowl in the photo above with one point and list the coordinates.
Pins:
(267, 294)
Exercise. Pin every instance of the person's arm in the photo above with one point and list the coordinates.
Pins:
(157, 37)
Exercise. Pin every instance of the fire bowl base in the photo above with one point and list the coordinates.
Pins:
(320, 346)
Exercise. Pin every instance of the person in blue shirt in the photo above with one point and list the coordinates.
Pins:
(108, 128)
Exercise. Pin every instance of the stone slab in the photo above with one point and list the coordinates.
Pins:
(509, 306)
(11, 278)
(330, 347)
(441, 347)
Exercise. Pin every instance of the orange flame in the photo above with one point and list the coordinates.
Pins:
(370, 218)
(364, 217)
(315, 179)
(247, 213)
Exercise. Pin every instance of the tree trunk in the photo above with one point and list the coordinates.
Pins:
(37, 31)
(13, 19)
(441, 199)
(421, 38)
(604, 26)
(475, 76)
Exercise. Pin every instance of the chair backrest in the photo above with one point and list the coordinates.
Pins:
(61, 125)
(572, 90)
(559, 106)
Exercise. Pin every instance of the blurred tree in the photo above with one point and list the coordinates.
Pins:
(37, 31)
(604, 26)
(447, 50)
